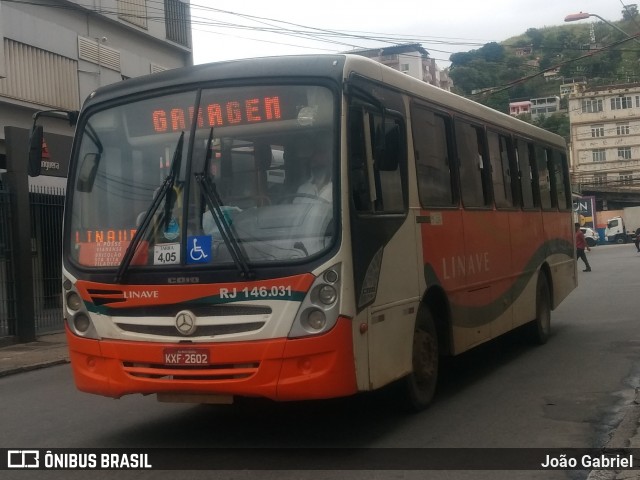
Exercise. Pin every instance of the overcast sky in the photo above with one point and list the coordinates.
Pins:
(252, 28)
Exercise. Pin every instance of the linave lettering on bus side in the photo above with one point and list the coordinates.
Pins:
(460, 266)
(151, 294)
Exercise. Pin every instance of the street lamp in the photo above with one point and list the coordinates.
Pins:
(583, 15)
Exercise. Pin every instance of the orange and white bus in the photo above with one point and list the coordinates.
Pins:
(303, 227)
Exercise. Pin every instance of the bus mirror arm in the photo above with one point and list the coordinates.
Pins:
(70, 115)
(37, 134)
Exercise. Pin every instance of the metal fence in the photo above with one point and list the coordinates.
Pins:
(46, 209)
(47, 206)
(7, 284)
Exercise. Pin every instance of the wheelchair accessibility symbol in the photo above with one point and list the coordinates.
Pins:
(199, 249)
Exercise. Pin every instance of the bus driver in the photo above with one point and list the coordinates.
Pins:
(319, 183)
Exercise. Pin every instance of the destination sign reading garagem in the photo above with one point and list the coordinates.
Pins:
(228, 107)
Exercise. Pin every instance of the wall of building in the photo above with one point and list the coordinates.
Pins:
(611, 131)
(52, 57)
(414, 63)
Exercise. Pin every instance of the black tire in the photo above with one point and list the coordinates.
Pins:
(591, 242)
(420, 385)
(540, 328)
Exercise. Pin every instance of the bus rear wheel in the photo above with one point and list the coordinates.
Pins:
(540, 328)
(420, 385)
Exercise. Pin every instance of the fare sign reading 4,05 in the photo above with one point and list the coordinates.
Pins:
(186, 356)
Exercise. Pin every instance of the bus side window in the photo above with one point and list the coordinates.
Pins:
(559, 180)
(544, 182)
(500, 169)
(388, 157)
(381, 189)
(474, 165)
(431, 146)
(526, 174)
(357, 161)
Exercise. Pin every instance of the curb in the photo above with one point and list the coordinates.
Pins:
(625, 436)
(36, 366)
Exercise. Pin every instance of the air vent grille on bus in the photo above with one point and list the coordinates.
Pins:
(191, 373)
(102, 297)
(202, 331)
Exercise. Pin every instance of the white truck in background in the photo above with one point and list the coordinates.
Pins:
(622, 229)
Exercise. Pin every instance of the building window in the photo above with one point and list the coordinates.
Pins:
(624, 153)
(177, 19)
(622, 128)
(621, 103)
(133, 11)
(600, 179)
(597, 131)
(598, 155)
(591, 106)
(404, 67)
(626, 178)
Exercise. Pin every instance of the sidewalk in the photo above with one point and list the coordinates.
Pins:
(46, 351)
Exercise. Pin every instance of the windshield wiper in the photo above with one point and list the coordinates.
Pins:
(214, 203)
(166, 186)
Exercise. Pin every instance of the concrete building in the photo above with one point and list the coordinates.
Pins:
(519, 108)
(54, 53)
(572, 85)
(605, 141)
(545, 106)
(411, 59)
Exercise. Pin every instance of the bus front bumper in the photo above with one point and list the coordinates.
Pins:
(280, 369)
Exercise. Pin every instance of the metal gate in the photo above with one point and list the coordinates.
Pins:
(46, 205)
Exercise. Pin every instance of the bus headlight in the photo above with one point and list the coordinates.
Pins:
(316, 319)
(74, 302)
(76, 315)
(81, 322)
(319, 310)
(327, 294)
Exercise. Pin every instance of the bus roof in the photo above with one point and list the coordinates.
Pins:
(336, 67)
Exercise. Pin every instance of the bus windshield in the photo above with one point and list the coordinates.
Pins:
(253, 179)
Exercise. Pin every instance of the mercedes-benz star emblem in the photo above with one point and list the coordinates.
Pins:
(186, 322)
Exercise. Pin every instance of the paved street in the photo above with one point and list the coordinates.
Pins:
(576, 391)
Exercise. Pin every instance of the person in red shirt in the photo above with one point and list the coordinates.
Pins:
(581, 245)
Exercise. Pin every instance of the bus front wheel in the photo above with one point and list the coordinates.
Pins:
(420, 385)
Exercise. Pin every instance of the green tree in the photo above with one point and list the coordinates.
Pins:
(630, 12)
(557, 123)
(461, 59)
(536, 37)
(492, 52)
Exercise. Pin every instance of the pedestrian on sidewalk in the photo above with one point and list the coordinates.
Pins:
(581, 245)
(637, 239)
